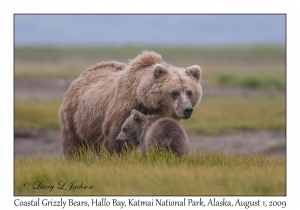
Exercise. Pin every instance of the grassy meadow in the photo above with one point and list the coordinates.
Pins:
(259, 70)
(157, 173)
(64, 62)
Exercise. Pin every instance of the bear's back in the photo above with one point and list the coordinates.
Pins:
(84, 91)
(166, 132)
(101, 71)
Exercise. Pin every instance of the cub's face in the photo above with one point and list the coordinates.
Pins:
(175, 92)
(131, 129)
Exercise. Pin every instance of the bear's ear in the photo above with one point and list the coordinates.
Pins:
(137, 117)
(195, 72)
(159, 71)
(145, 59)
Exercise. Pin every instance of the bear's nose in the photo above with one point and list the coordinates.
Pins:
(117, 139)
(187, 111)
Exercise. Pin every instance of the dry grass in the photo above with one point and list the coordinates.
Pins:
(155, 174)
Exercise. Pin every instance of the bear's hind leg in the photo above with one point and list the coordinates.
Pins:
(72, 145)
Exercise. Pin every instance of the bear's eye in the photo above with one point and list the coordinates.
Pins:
(174, 94)
(125, 129)
(189, 94)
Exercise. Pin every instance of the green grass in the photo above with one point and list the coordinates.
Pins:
(216, 119)
(40, 71)
(39, 115)
(264, 99)
(246, 53)
(70, 61)
(155, 174)
(251, 81)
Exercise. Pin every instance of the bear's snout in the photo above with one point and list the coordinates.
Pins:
(187, 111)
(117, 139)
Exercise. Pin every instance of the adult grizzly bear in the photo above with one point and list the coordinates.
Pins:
(99, 101)
(152, 132)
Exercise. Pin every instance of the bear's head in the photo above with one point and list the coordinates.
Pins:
(167, 90)
(131, 128)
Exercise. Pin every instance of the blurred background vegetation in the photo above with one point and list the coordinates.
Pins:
(244, 86)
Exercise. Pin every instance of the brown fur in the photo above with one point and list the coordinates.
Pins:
(151, 131)
(99, 101)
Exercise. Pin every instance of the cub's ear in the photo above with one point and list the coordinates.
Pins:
(159, 71)
(133, 111)
(195, 72)
(137, 116)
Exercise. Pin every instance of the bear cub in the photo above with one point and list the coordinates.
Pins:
(152, 131)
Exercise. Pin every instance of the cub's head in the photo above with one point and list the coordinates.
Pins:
(169, 91)
(131, 129)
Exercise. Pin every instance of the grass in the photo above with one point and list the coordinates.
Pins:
(252, 81)
(40, 115)
(242, 53)
(44, 71)
(264, 99)
(216, 119)
(154, 174)
(65, 62)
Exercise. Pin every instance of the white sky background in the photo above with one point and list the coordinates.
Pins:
(8, 8)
